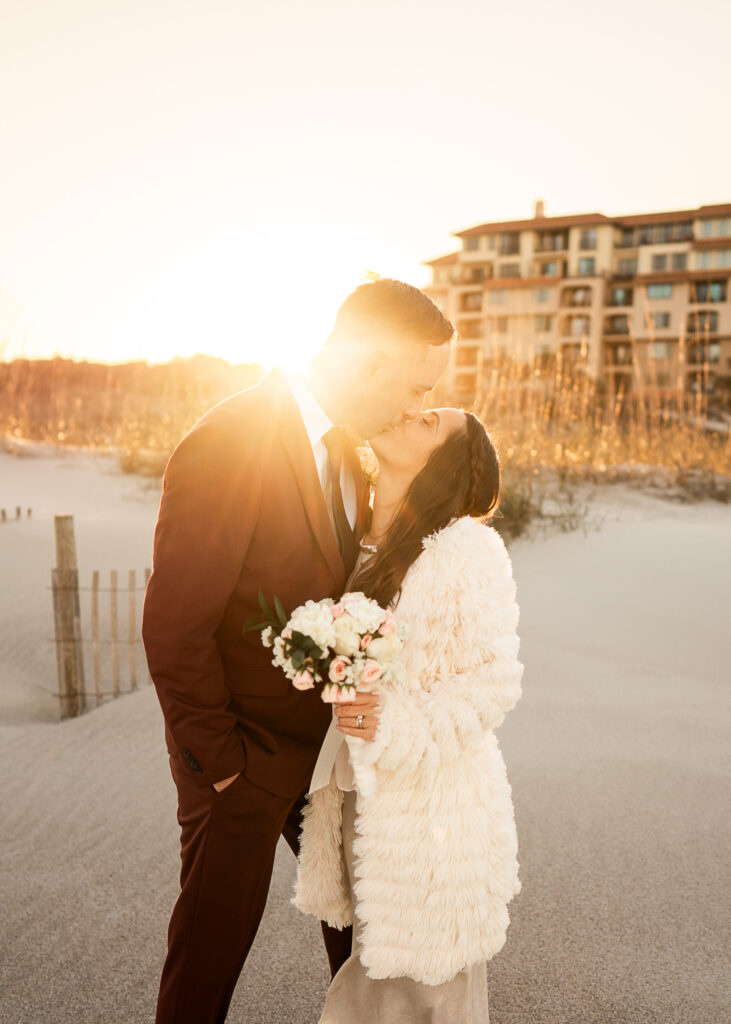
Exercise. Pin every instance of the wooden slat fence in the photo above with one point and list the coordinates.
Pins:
(114, 670)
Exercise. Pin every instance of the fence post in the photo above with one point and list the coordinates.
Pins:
(114, 629)
(95, 636)
(148, 573)
(132, 635)
(67, 620)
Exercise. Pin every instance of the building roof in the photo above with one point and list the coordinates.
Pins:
(537, 223)
(451, 257)
(575, 220)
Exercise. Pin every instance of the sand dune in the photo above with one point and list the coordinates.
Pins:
(617, 755)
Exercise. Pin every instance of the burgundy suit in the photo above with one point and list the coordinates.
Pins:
(242, 510)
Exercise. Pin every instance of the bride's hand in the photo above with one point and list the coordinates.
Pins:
(365, 704)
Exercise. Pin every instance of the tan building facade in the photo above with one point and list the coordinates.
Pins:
(641, 301)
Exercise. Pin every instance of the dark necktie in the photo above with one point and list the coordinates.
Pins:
(335, 441)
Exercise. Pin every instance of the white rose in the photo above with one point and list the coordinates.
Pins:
(347, 641)
(314, 619)
(383, 648)
(367, 614)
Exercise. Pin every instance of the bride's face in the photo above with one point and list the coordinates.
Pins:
(406, 448)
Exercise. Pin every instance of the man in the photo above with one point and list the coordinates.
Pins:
(265, 494)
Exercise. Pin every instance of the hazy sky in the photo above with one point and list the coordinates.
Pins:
(181, 176)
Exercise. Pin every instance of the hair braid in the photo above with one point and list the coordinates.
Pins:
(484, 470)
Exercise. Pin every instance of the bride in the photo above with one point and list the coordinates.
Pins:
(425, 866)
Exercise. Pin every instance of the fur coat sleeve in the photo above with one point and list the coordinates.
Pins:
(472, 676)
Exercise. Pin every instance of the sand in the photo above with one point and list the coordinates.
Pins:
(616, 755)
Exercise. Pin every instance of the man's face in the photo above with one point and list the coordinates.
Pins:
(397, 392)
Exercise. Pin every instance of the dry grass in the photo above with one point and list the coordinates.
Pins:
(141, 411)
(556, 428)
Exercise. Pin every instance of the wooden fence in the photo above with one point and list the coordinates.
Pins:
(116, 653)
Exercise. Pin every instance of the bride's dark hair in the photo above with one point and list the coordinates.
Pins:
(460, 478)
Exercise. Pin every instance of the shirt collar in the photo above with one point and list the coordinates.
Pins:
(316, 422)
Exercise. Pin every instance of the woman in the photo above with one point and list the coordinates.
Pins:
(425, 867)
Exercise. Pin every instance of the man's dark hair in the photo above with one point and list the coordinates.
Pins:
(392, 306)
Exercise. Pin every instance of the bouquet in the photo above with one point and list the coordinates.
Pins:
(348, 645)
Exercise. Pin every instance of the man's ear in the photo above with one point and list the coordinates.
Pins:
(375, 362)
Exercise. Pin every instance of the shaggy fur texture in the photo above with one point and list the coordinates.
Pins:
(436, 844)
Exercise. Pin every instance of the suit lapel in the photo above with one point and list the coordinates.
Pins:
(302, 461)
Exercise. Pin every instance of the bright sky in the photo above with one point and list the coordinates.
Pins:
(181, 176)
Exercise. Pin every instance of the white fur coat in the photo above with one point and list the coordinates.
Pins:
(435, 845)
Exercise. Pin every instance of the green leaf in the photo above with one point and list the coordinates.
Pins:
(252, 626)
(280, 610)
(297, 658)
(264, 606)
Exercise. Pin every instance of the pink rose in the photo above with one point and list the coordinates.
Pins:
(303, 680)
(370, 672)
(388, 625)
(337, 610)
(365, 640)
(337, 668)
(334, 694)
(286, 633)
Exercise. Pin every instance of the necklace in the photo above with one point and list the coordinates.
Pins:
(370, 549)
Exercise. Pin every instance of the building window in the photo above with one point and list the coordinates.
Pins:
(617, 324)
(664, 232)
(660, 349)
(621, 296)
(704, 352)
(464, 381)
(549, 269)
(586, 265)
(627, 238)
(645, 235)
(509, 243)
(472, 243)
(466, 355)
(496, 296)
(509, 270)
(627, 267)
(659, 261)
(680, 260)
(706, 229)
(471, 301)
(579, 326)
(723, 226)
(469, 328)
(660, 319)
(659, 291)
(474, 274)
(703, 322)
(491, 241)
(541, 294)
(723, 257)
(588, 238)
(576, 297)
(708, 291)
(501, 324)
(542, 323)
(704, 260)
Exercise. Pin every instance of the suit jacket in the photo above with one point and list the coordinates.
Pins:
(242, 510)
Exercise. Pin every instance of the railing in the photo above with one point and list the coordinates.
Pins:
(72, 690)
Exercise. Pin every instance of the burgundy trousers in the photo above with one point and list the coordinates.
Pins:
(228, 841)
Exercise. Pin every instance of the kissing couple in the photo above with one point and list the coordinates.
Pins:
(268, 493)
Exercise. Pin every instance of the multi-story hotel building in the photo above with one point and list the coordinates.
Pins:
(642, 301)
